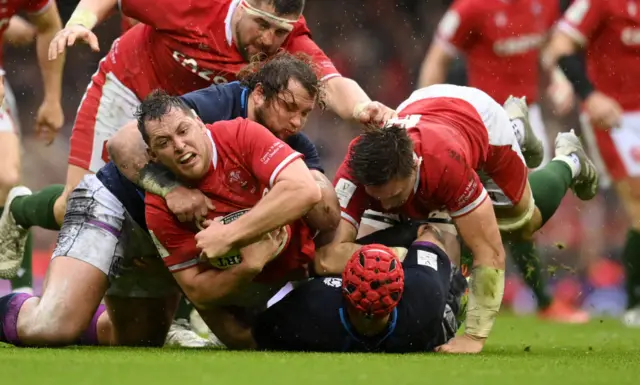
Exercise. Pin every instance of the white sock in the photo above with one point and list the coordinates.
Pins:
(518, 130)
(572, 161)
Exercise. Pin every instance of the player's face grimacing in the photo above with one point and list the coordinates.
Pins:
(256, 34)
(286, 113)
(179, 141)
(394, 193)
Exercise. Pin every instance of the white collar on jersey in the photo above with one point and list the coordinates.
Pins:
(214, 155)
(415, 186)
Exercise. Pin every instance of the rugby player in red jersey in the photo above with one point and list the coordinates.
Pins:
(239, 165)
(452, 148)
(179, 47)
(609, 32)
(501, 41)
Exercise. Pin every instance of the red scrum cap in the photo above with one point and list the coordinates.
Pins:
(373, 280)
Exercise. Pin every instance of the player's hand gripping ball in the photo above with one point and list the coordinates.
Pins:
(234, 257)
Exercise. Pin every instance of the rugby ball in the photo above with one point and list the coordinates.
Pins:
(233, 257)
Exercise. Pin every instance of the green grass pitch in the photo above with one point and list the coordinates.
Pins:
(520, 351)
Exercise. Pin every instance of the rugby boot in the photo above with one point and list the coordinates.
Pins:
(532, 147)
(585, 184)
(13, 238)
(180, 335)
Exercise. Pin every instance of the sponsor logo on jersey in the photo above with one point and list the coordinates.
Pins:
(518, 45)
(345, 190)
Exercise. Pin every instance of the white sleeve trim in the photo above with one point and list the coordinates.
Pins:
(572, 32)
(330, 76)
(43, 9)
(350, 219)
(471, 206)
(282, 165)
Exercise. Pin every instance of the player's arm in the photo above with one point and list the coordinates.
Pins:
(478, 228)
(204, 286)
(44, 16)
(581, 20)
(20, 32)
(343, 96)
(455, 34)
(325, 215)
(293, 191)
(129, 152)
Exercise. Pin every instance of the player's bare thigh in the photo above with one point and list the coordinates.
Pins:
(521, 220)
(72, 292)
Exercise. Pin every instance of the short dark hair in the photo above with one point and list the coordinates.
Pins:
(285, 7)
(274, 74)
(378, 156)
(157, 104)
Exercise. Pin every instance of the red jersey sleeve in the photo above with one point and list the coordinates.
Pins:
(456, 184)
(175, 243)
(583, 18)
(352, 197)
(457, 29)
(37, 6)
(300, 41)
(268, 155)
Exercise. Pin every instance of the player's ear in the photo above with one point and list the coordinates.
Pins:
(258, 95)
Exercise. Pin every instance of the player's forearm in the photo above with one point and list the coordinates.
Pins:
(332, 258)
(343, 95)
(286, 202)
(434, 66)
(129, 153)
(560, 45)
(91, 12)
(51, 69)
(325, 215)
(213, 288)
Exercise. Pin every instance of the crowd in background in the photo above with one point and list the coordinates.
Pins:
(380, 44)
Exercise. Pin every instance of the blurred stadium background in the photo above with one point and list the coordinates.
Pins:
(380, 45)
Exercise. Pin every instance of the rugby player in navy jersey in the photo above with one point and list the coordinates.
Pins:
(385, 301)
(104, 249)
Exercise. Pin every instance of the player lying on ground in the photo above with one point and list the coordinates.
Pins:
(165, 52)
(383, 303)
(452, 148)
(49, 118)
(117, 206)
(608, 30)
(498, 37)
(279, 94)
(272, 181)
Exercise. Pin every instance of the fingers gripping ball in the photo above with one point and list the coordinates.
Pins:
(233, 257)
(373, 280)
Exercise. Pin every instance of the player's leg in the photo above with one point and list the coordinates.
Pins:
(105, 107)
(617, 148)
(21, 277)
(523, 207)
